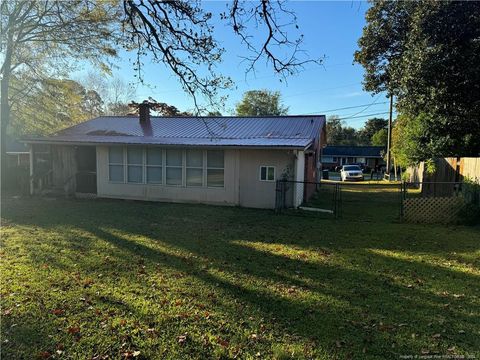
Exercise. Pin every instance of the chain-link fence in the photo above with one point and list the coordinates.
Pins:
(371, 202)
(315, 196)
(355, 201)
(384, 201)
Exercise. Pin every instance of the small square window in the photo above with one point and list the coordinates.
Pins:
(267, 173)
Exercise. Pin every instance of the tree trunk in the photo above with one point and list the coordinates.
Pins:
(5, 107)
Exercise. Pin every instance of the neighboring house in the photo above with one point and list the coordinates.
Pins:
(371, 156)
(18, 154)
(213, 160)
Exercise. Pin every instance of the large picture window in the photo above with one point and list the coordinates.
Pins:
(174, 167)
(177, 167)
(135, 164)
(215, 168)
(154, 165)
(115, 164)
(194, 167)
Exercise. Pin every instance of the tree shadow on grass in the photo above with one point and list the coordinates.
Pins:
(331, 303)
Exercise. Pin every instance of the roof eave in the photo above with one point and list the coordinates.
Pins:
(93, 143)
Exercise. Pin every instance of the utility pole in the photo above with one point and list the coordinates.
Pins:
(389, 141)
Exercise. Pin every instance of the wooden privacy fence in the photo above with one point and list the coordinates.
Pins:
(449, 169)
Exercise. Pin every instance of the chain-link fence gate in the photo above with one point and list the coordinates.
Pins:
(378, 201)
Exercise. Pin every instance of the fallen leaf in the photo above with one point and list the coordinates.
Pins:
(182, 339)
(73, 330)
(222, 342)
(436, 336)
(7, 312)
(44, 355)
(87, 282)
(58, 311)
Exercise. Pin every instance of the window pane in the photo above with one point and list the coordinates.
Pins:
(174, 157)
(154, 175)
(215, 158)
(271, 173)
(154, 156)
(134, 155)
(195, 158)
(263, 173)
(115, 155)
(194, 177)
(135, 174)
(174, 176)
(116, 173)
(215, 177)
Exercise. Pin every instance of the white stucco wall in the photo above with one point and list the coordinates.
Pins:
(242, 181)
(256, 193)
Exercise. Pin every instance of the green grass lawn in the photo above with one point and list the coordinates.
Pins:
(107, 279)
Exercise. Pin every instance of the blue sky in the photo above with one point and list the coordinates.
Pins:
(331, 29)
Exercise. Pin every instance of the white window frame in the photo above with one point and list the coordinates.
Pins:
(182, 167)
(142, 165)
(198, 168)
(266, 173)
(213, 168)
(123, 164)
(162, 167)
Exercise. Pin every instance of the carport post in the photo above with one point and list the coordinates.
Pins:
(31, 180)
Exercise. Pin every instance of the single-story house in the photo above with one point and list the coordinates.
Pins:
(214, 160)
(371, 156)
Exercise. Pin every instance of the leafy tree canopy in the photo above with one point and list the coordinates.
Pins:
(339, 134)
(380, 138)
(371, 127)
(427, 54)
(52, 105)
(261, 102)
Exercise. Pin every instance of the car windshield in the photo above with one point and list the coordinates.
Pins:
(351, 167)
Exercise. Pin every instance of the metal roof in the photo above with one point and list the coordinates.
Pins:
(358, 151)
(269, 131)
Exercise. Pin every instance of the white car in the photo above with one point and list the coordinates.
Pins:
(351, 172)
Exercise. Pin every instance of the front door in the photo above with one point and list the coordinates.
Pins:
(86, 178)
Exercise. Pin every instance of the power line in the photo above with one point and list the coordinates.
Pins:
(374, 101)
(355, 117)
(346, 108)
(362, 116)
